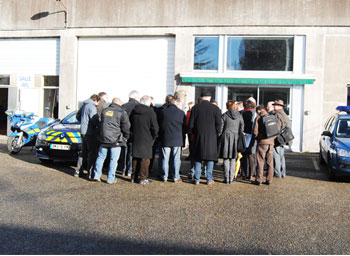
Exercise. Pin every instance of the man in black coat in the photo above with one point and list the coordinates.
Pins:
(114, 132)
(205, 124)
(144, 129)
(127, 151)
(172, 121)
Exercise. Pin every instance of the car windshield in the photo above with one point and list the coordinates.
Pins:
(343, 129)
(70, 119)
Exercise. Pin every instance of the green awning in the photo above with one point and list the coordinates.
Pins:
(221, 80)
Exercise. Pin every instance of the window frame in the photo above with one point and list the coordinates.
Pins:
(298, 55)
(256, 71)
(219, 54)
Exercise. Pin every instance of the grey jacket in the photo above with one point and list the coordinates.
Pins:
(89, 118)
(232, 125)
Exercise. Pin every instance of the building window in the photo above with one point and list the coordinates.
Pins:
(206, 53)
(51, 85)
(260, 53)
(4, 79)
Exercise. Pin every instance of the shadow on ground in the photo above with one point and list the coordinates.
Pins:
(30, 241)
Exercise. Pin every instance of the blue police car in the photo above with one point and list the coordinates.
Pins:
(335, 143)
(61, 141)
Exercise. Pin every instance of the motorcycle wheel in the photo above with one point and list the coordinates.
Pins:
(12, 146)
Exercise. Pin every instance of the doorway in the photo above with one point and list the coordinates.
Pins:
(3, 108)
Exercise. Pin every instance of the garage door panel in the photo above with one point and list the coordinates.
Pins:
(119, 65)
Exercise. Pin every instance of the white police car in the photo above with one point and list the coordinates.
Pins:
(335, 143)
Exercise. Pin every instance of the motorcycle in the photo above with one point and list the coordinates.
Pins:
(25, 127)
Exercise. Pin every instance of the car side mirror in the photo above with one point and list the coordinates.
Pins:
(327, 133)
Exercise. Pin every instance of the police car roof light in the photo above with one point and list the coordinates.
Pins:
(343, 108)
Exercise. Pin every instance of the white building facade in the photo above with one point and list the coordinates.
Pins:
(55, 54)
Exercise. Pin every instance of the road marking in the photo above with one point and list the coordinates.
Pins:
(317, 168)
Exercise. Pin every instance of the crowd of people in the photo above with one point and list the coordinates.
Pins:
(130, 134)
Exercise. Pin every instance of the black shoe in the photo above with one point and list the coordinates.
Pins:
(267, 183)
(257, 183)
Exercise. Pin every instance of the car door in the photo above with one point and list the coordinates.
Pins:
(326, 141)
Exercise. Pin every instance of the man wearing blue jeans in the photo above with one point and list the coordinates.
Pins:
(172, 122)
(205, 124)
(114, 132)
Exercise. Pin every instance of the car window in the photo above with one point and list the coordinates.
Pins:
(343, 129)
(330, 123)
(70, 119)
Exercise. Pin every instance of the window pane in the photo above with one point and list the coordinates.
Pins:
(241, 94)
(51, 81)
(272, 94)
(4, 80)
(206, 53)
(343, 129)
(264, 54)
(51, 103)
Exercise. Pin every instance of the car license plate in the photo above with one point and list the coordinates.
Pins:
(60, 147)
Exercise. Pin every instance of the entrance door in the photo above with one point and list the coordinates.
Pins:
(3, 108)
(272, 94)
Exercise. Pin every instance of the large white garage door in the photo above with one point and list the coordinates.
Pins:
(119, 65)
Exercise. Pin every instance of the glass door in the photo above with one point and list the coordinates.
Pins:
(267, 94)
(241, 93)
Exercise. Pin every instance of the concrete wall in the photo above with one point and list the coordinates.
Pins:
(20, 14)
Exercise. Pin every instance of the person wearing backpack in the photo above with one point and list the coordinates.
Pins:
(265, 131)
(283, 121)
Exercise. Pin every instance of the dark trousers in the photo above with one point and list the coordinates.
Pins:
(265, 151)
(127, 165)
(248, 165)
(140, 169)
(88, 154)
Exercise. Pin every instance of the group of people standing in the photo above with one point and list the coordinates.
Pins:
(138, 129)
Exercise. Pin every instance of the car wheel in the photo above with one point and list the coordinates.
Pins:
(331, 171)
(322, 161)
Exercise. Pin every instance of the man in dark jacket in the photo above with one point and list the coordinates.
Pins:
(205, 124)
(144, 129)
(88, 117)
(127, 151)
(172, 123)
(283, 121)
(114, 132)
(264, 148)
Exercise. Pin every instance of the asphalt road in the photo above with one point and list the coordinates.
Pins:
(45, 210)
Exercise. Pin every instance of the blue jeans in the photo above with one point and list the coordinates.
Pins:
(172, 154)
(198, 170)
(102, 153)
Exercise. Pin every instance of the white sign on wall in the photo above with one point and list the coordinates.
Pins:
(25, 81)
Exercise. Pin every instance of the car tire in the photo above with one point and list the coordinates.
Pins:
(321, 160)
(331, 171)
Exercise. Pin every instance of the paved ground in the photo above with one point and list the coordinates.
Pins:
(44, 210)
